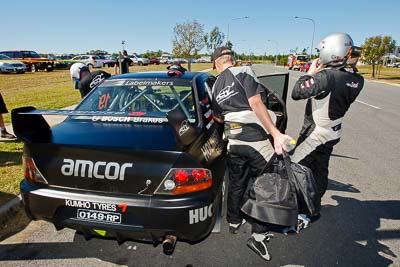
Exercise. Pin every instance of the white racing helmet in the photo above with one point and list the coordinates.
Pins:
(335, 49)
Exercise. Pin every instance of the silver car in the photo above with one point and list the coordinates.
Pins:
(8, 65)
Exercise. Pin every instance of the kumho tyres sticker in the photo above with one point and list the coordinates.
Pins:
(91, 205)
(109, 207)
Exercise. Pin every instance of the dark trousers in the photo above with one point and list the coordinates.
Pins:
(244, 164)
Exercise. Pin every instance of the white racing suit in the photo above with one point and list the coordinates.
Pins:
(330, 93)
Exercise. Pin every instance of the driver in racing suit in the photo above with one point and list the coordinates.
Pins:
(85, 80)
(331, 86)
(248, 127)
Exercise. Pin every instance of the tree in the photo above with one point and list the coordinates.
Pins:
(97, 52)
(229, 44)
(214, 39)
(151, 54)
(188, 39)
(375, 48)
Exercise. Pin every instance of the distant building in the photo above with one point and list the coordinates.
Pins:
(396, 51)
(393, 57)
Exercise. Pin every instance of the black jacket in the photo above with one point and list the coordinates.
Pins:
(330, 93)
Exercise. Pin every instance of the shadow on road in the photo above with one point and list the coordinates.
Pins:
(347, 234)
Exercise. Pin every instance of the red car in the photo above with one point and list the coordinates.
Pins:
(306, 66)
(31, 59)
(154, 60)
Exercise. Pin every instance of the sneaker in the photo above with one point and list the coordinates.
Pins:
(258, 243)
(234, 227)
(302, 223)
(7, 135)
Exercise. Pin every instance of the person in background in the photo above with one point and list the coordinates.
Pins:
(85, 80)
(236, 101)
(330, 86)
(124, 61)
(3, 110)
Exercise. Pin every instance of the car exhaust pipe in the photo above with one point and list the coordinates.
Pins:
(169, 244)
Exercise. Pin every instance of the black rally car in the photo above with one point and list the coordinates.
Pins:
(139, 158)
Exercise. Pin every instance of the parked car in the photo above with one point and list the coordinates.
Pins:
(306, 66)
(139, 158)
(8, 65)
(154, 60)
(138, 60)
(63, 62)
(31, 59)
(92, 61)
(165, 59)
(179, 60)
(205, 59)
(393, 65)
(107, 61)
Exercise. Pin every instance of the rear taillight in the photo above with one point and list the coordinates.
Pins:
(183, 181)
(31, 172)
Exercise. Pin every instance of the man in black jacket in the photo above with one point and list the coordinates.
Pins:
(331, 85)
(248, 126)
(85, 80)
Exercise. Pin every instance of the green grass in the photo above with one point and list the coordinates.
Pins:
(384, 74)
(43, 90)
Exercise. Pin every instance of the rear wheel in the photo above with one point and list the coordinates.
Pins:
(33, 68)
(140, 63)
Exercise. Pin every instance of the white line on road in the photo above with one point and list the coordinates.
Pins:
(372, 106)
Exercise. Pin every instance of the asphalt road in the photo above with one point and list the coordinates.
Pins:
(360, 223)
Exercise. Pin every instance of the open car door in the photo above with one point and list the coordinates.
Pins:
(275, 98)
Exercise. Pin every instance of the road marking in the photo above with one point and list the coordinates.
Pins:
(372, 106)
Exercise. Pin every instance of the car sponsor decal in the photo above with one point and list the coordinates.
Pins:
(208, 126)
(90, 205)
(103, 101)
(96, 80)
(148, 83)
(213, 145)
(83, 204)
(200, 214)
(98, 169)
(184, 127)
(129, 119)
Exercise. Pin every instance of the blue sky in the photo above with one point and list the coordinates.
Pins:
(79, 26)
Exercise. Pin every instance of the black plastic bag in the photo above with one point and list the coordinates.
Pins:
(273, 197)
(309, 201)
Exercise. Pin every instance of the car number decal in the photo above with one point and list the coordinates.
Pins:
(98, 216)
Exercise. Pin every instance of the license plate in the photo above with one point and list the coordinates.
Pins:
(98, 216)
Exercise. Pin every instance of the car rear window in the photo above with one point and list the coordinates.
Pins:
(155, 96)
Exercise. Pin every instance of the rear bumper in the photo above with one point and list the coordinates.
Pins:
(147, 218)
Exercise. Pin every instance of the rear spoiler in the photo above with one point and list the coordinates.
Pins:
(30, 126)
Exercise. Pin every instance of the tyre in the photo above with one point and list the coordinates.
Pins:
(140, 63)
